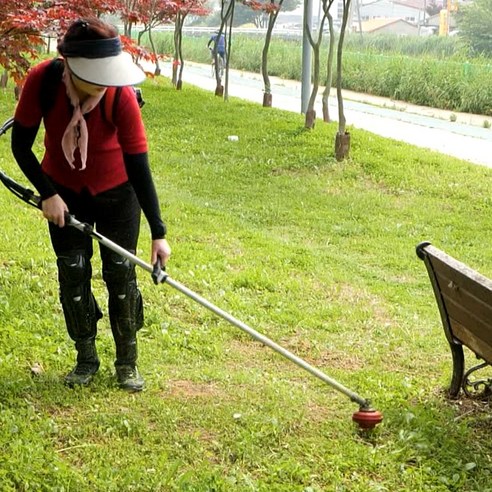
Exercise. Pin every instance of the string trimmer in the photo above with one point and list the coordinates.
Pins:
(366, 417)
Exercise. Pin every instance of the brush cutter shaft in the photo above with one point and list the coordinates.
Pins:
(269, 343)
(87, 229)
(160, 276)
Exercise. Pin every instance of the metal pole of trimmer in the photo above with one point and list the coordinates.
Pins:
(366, 417)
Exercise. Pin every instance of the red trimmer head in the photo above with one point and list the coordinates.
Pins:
(367, 418)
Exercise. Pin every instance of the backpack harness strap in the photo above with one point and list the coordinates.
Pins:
(110, 103)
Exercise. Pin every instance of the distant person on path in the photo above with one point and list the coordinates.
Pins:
(221, 45)
(98, 171)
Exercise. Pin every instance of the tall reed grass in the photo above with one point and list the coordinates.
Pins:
(429, 71)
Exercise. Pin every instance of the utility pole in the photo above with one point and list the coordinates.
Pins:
(306, 55)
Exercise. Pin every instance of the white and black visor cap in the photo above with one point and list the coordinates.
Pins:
(101, 62)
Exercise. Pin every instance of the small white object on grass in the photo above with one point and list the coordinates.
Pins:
(37, 369)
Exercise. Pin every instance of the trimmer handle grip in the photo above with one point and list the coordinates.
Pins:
(159, 274)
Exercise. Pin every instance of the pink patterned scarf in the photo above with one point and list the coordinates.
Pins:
(76, 135)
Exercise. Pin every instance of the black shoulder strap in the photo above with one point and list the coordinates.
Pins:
(49, 85)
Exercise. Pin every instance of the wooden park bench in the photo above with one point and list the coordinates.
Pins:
(464, 299)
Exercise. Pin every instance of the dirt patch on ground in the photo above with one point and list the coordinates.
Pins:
(254, 355)
(326, 357)
(249, 354)
(187, 389)
(468, 407)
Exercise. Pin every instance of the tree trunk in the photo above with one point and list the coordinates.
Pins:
(272, 17)
(219, 88)
(3, 79)
(180, 52)
(342, 139)
(342, 146)
(329, 71)
(174, 76)
(267, 100)
(326, 110)
(315, 45)
(228, 52)
(310, 119)
(176, 39)
(157, 70)
(17, 91)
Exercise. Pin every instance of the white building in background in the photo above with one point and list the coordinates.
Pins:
(294, 19)
(387, 26)
(411, 11)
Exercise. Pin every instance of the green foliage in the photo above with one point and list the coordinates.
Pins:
(475, 25)
(429, 82)
(441, 47)
(316, 254)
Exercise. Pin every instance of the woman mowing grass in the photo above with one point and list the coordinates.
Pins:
(97, 169)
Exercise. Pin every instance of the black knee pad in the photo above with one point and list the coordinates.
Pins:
(125, 300)
(74, 270)
(79, 306)
(118, 272)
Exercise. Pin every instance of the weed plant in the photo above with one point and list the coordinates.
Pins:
(317, 255)
(428, 71)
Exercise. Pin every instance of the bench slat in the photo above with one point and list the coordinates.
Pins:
(455, 293)
(469, 322)
(469, 279)
(471, 341)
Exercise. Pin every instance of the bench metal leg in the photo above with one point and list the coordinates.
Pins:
(477, 388)
(458, 369)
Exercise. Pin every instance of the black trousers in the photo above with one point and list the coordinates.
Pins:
(114, 213)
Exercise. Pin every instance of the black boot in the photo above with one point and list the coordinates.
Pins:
(127, 373)
(87, 363)
(129, 378)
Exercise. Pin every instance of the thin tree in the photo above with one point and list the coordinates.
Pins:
(181, 10)
(226, 18)
(342, 138)
(228, 26)
(151, 14)
(265, 13)
(129, 15)
(329, 62)
(272, 10)
(315, 43)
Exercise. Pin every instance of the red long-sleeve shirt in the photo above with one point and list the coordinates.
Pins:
(107, 142)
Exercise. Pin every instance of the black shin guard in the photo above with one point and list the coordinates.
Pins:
(125, 307)
(79, 305)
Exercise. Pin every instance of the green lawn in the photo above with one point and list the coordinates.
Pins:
(317, 255)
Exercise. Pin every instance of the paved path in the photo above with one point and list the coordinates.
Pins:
(465, 138)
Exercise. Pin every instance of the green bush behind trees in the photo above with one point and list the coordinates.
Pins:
(431, 71)
(475, 24)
